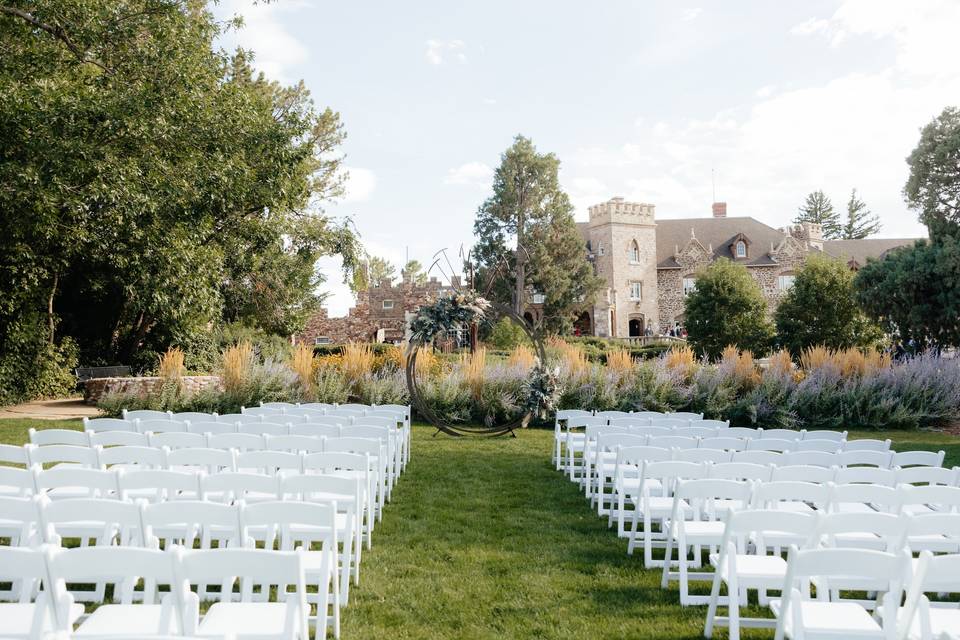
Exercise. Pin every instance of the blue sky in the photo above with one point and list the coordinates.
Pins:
(639, 99)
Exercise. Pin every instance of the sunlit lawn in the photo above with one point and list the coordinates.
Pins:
(484, 539)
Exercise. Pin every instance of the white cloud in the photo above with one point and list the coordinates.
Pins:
(360, 184)
(691, 14)
(275, 49)
(471, 173)
(441, 51)
(766, 91)
(490, 101)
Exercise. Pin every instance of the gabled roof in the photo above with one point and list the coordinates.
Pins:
(719, 233)
(860, 250)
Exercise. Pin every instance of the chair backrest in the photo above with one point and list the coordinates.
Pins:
(146, 414)
(331, 461)
(613, 414)
(355, 407)
(208, 459)
(937, 497)
(753, 524)
(881, 498)
(918, 458)
(402, 409)
(889, 528)
(233, 486)
(239, 417)
(238, 441)
(160, 426)
(321, 488)
(928, 475)
(84, 456)
(215, 428)
(759, 457)
(865, 457)
(630, 422)
(354, 445)
(741, 432)
(298, 522)
(824, 434)
(712, 424)
(59, 436)
(314, 429)
(177, 440)
(675, 442)
(149, 457)
(159, 485)
(394, 417)
(776, 494)
(771, 444)
(117, 520)
(294, 444)
(741, 471)
(264, 428)
(610, 441)
(15, 482)
(933, 528)
(804, 473)
(269, 462)
(122, 566)
(669, 422)
(703, 455)
(189, 521)
(20, 519)
(278, 405)
(651, 431)
(119, 438)
(302, 414)
(580, 422)
(866, 475)
(812, 458)
(320, 406)
(108, 424)
(75, 482)
(696, 432)
(376, 421)
(701, 495)
(866, 444)
(685, 415)
(724, 442)
(269, 413)
(194, 416)
(28, 566)
(639, 455)
(670, 472)
(564, 414)
(14, 454)
(648, 414)
(826, 446)
(934, 575)
(383, 434)
(781, 434)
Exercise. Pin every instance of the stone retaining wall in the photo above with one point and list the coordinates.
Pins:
(95, 388)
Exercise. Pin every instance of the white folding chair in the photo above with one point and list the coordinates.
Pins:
(239, 418)
(918, 501)
(160, 426)
(159, 485)
(717, 456)
(696, 432)
(928, 475)
(177, 440)
(790, 435)
(248, 617)
(712, 424)
(804, 473)
(264, 428)
(866, 444)
(355, 466)
(627, 485)
(601, 463)
(238, 441)
(294, 444)
(677, 442)
(741, 471)
(60, 483)
(19, 522)
(315, 429)
(132, 457)
(59, 436)
(648, 414)
(670, 422)
(146, 414)
(34, 615)
(918, 458)
(825, 434)
(811, 458)
(388, 437)
(575, 442)
(191, 523)
(230, 487)
(744, 433)
(377, 457)
(629, 421)
(865, 475)
(789, 496)
(696, 522)
(921, 619)
(798, 616)
(287, 525)
(759, 457)
(864, 498)
(724, 442)
(63, 455)
(826, 446)
(212, 427)
(119, 438)
(744, 567)
(269, 462)
(194, 416)
(277, 405)
(101, 425)
(266, 412)
(685, 415)
(771, 444)
(208, 460)
(155, 616)
(14, 455)
(866, 457)
(15, 482)
(934, 532)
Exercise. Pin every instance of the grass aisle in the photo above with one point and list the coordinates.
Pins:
(484, 539)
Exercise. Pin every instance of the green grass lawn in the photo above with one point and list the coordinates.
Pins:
(483, 539)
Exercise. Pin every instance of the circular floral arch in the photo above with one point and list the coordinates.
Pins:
(444, 317)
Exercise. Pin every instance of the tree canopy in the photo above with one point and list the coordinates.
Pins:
(860, 223)
(819, 209)
(153, 185)
(727, 308)
(933, 187)
(527, 239)
(821, 308)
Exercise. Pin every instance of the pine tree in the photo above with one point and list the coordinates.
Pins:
(817, 208)
(860, 222)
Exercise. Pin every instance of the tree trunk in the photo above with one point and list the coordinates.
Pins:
(50, 318)
(520, 269)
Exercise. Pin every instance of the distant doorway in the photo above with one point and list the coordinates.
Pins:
(584, 325)
(636, 327)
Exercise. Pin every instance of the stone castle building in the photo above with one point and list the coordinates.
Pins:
(650, 265)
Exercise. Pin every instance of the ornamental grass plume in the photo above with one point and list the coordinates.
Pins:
(473, 365)
(521, 357)
(170, 364)
(237, 364)
(572, 358)
(780, 363)
(681, 359)
(302, 362)
(357, 360)
(619, 361)
(817, 357)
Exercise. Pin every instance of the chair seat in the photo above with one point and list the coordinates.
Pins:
(659, 506)
(125, 620)
(862, 540)
(755, 569)
(631, 486)
(703, 532)
(831, 619)
(16, 619)
(245, 620)
(944, 623)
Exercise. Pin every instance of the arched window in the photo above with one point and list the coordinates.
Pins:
(741, 249)
(634, 252)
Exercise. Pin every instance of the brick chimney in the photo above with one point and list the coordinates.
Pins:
(719, 209)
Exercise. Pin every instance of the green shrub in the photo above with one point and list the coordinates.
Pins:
(31, 367)
(507, 334)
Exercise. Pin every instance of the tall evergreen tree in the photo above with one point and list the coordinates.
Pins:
(819, 209)
(861, 223)
(527, 239)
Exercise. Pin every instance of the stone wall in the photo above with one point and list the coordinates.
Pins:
(96, 388)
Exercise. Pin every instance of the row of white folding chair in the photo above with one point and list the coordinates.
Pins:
(161, 613)
(212, 516)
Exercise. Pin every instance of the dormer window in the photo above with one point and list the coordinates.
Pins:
(634, 252)
(741, 249)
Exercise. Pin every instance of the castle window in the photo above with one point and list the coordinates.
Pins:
(741, 249)
(600, 248)
(636, 291)
(634, 252)
(321, 340)
(388, 304)
(785, 282)
(689, 286)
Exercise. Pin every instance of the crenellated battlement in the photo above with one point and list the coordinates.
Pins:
(617, 210)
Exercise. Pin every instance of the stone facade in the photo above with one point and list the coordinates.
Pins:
(649, 266)
(96, 388)
(381, 313)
